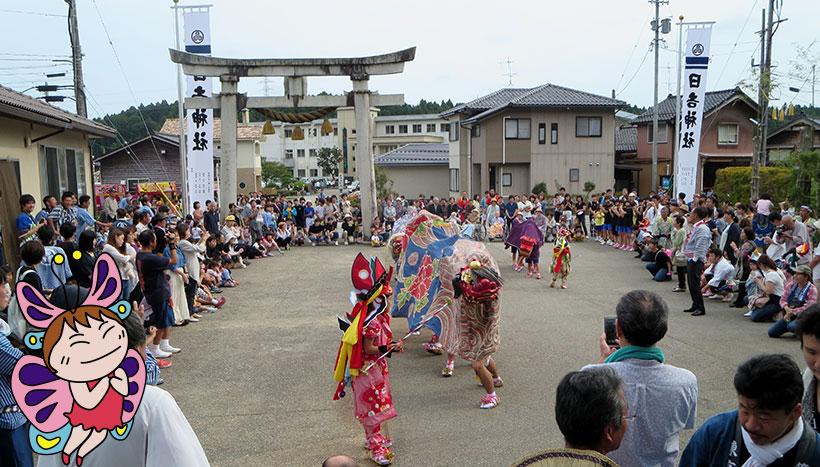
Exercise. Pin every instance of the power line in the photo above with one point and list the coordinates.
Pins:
(631, 54)
(128, 84)
(640, 66)
(726, 62)
(33, 55)
(37, 13)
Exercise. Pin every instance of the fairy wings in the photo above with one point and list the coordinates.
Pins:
(42, 396)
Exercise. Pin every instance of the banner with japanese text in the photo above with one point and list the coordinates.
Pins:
(199, 125)
(696, 65)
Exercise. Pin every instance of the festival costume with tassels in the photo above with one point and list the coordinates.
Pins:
(561, 256)
(369, 319)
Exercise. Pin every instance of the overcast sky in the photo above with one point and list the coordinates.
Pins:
(462, 46)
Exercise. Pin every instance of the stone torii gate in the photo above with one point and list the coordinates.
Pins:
(295, 72)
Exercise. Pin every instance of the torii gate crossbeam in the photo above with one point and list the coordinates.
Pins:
(295, 72)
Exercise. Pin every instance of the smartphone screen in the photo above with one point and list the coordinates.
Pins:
(609, 330)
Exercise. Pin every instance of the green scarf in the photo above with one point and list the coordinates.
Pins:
(639, 353)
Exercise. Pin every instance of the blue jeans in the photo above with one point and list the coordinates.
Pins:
(658, 274)
(15, 450)
(781, 327)
(126, 289)
(767, 311)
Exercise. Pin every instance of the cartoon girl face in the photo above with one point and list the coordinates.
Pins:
(85, 346)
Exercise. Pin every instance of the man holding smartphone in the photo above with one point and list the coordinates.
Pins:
(695, 249)
(662, 398)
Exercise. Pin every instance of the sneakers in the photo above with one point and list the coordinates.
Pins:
(381, 455)
(490, 401)
(193, 319)
(165, 346)
(434, 348)
(220, 302)
(447, 371)
(158, 353)
(748, 314)
(679, 289)
(498, 382)
(538, 275)
(162, 364)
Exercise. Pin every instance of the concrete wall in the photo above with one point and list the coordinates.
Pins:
(412, 180)
(13, 134)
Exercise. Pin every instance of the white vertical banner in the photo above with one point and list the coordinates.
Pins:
(691, 111)
(199, 125)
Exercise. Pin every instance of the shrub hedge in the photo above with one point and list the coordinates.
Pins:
(733, 184)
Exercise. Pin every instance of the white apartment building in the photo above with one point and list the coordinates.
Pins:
(299, 155)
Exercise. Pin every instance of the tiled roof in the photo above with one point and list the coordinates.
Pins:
(714, 99)
(547, 95)
(416, 154)
(626, 139)
(19, 105)
(171, 127)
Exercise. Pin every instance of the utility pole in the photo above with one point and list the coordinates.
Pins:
(76, 58)
(757, 152)
(812, 86)
(767, 83)
(656, 26)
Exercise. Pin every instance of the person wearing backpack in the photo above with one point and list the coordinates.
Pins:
(31, 253)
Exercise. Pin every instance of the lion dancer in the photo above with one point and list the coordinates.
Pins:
(359, 362)
(477, 288)
(561, 257)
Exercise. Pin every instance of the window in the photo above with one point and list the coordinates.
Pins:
(311, 153)
(554, 133)
(335, 131)
(444, 127)
(661, 133)
(475, 131)
(288, 153)
(431, 128)
(300, 173)
(517, 128)
(453, 129)
(542, 133)
(454, 180)
(417, 128)
(403, 129)
(63, 170)
(288, 133)
(727, 133)
(314, 172)
(389, 129)
(574, 175)
(588, 127)
(300, 153)
(506, 180)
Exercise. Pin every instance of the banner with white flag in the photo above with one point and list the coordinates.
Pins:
(691, 112)
(199, 125)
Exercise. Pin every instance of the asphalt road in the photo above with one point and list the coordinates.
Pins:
(255, 379)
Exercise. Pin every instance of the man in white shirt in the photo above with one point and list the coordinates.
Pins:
(720, 271)
(160, 436)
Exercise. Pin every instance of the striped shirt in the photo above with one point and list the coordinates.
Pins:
(151, 369)
(10, 419)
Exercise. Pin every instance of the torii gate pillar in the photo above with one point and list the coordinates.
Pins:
(364, 153)
(227, 163)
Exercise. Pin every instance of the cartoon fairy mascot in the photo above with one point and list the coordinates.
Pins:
(88, 383)
(561, 257)
(360, 360)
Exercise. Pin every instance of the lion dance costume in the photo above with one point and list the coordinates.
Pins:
(367, 372)
(561, 257)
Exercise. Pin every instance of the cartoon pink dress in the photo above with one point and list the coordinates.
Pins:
(107, 415)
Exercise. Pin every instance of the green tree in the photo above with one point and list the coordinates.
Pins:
(539, 188)
(805, 183)
(384, 185)
(329, 160)
(588, 187)
(277, 174)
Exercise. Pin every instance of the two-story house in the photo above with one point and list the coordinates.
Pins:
(799, 134)
(725, 140)
(514, 138)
